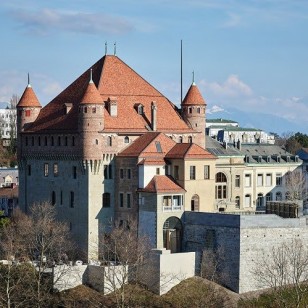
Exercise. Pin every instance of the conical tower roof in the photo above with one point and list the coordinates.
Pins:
(28, 98)
(193, 96)
(91, 95)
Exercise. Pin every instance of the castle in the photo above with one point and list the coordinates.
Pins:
(112, 147)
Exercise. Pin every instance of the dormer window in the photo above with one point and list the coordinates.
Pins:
(278, 159)
(139, 108)
(113, 106)
(268, 159)
(67, 107)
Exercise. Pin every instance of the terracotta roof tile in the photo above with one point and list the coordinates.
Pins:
(162, 184)
(91, 96)
(151, 144)
(28, 99)
(189, 150)
(152, 161)
(112, 77)
(193, 97)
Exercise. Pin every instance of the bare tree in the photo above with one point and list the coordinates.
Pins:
(296, 185)
(40, 239)
(285, 269)
(124, 254)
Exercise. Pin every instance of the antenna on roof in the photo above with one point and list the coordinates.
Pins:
(105, 48)
(91, 80)
(193, 77)
(115, 48)
(181, 74)
(29, 85)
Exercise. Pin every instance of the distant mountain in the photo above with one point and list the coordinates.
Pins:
(266, 122)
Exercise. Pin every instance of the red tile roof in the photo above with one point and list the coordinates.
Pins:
(190, 151)
(149, 145)
(28, 99)
(162, 184)
(193, 96)
(112, 77)
(91, 95)
(152, 161)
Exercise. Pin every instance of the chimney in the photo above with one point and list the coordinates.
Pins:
(153, 115)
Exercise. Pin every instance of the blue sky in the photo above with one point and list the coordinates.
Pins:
(249, 57)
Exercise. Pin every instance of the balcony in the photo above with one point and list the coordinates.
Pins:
(173, 203)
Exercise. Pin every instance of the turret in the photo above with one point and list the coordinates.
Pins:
(28, 108)
(193, 113)
(91, 121)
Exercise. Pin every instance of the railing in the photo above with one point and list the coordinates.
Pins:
(244, 213)
(173, 208)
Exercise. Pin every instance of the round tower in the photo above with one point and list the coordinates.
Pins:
(193, 112)
(91, 122)
(28, 108)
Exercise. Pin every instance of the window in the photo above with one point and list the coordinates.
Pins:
(28, 113)
(221, 186)
(26, 141)
(278, 179)
(129, 174)
(74, 172)
(29, 170)
(247, 180)
(192, 172)
(65, 141)
(109, 141)
(260, 200)
(278, 196)
(55, 169)
(247, 200)
(268, 179)
(158, 147)
(106, 199)
(268, 197)
(198, 110)
(53, 198)
(32, 141)
(190, 110)
(237, 202)
(59, 141)
(73, 141)
(157, 171)
(126, 139)
(189, 139)
(39, 141)
(93, 109)
(237, 180)
(180, 139)
(260, 180)
(72, 199)
(46, 169)
(176, 172)
(129, 200)
(46, 141)
(107, 172)
(121, 199)
(206, 172)
(121, 174)
(52, 141)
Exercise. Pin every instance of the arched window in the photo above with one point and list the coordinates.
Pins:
(53, 198)
(260, 200)
(247, 200)
(190, 139)
(106, 199)
(268, 197)
(180, 139)
(237, 202)
(221, 186)
(278, 196)
(194, 203)
(126, 139)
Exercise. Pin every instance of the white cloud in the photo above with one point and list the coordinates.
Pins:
(45, 21)
(15, 82)
(232, 87)
(215, 109)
